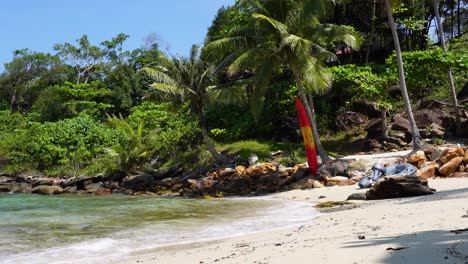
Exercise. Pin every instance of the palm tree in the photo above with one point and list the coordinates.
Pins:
(189, 79)
(288, 33)
(440, 31)
(417, 140)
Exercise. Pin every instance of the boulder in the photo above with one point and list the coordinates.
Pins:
(337, 179)
(451, 166)
(437, 130)
(47, 189)
(318, 184)
(416, 157)
(401, 124)
(6, 178)
(447, 155)
(333, 168)
(401, 186)
(428, 171)
(425, 117)
(465, 158)
(369, 109)
(302, 184)
(141, 182)
(348, 120)
(460, 175)
(371, 144)
(347, 182)
(374, 129)
(103, 192)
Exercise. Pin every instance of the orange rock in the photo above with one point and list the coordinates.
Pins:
(427, 172)
(416, 157)
(250, 171)
(451, 153)
(460, 175)
(103, 191)
(240, 169)
(346, 183)
(465, 159)
(451, 166)
(421, 163)
(460, 152)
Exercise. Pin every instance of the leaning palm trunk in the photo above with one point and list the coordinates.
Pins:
(449, 72)
(311, 114)
(417, 140)
(202, 123)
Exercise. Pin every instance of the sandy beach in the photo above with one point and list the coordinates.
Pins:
(423, 229)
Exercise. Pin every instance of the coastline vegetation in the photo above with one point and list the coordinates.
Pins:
(88, 109)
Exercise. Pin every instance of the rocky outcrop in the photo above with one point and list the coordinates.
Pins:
(348, 120)
(451, 162)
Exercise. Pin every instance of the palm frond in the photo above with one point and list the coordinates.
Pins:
(249, 59)
(262, 79)
(327, 33)
(167, 88)
(234, 95)
(280, 27)
(298, 45)
(220, 47)
(323, 54)
(159, 76)
(316, 77)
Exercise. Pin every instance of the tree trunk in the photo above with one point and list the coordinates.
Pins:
(449, 72)
(202, 123)
(13, 100)
(371, 38)
(311, 114)
(458, 18)
(417, 140)
(383, 122)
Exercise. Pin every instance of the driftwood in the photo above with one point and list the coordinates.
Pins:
(396, 187)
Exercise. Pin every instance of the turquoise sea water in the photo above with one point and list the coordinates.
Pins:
(91, 229)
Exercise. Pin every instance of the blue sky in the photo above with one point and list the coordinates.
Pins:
(39, 24)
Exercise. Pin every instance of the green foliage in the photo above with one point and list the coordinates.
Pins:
(64, 147)
(69, 100)
(426, 71)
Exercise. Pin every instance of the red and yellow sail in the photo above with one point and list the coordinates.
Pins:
(308, 136)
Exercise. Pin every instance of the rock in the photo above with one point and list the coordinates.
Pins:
(447, 155)
(369, 109)
(5, 178)
(374, 129)
(103, 192)
(451, 166)
(240, 169)
(169, 172)
(337, 179)
(348, 120)
(390, 146)
(428, 171)
(347, 182)
(432, 152)
(302, 184)
(226, 172)
(318, 184)
(401, 186)
(333, 168)
(330, 184)
(460, 152)
(253, 159)
(371, 144)
(401, 124)
(416, 157)
(460, 175)
(47, 189)
(465, 159)
(425, 117)
(139, 183)
(437, 130)
(357, 196)
(93, 187)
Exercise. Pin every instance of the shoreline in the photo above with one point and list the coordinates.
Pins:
(404, 230)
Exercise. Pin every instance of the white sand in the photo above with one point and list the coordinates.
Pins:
(420, 225)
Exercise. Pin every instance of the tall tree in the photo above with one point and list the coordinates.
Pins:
(285, 33)
(417, 139)
(189, 79)
(449, 72)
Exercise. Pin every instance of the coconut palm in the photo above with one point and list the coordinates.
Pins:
(417, 140)
(194, 80)
(440, 31)
(288, 35)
